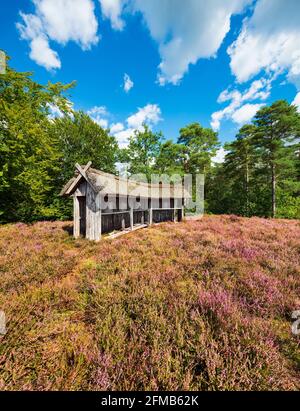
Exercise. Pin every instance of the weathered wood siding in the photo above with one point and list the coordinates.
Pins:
(99, 221)
(160, 216)
(76, 220)
(93, 214)
(118, 221)
(78, 213)
(140, 217)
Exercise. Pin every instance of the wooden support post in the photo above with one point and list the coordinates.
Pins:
(99, 218)
(131, 218)
(150, 216)
(76, 217)
(123, 225)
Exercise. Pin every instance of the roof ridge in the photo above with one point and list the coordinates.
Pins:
(123, 179)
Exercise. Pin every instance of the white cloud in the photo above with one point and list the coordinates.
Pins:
(112, 9)
(61, 21)
(40, 50)
(98, 111)
(54, 111)
(216, 120)
(99, 115)
(259, 89)
(296, 101)
(245, 113)
(269, 41)
(235, 110)
(149, 114)
(220, 156)
(116, 128)
(186, 32)
(124, 136)
(122, 169)
(128, 83)
(42, 54)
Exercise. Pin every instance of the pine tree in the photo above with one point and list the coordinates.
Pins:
(238, 167)
(275, 129)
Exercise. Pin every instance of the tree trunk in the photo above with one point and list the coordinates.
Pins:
(273, 191)
(247, 189)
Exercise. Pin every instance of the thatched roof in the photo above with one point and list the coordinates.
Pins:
(111, 185)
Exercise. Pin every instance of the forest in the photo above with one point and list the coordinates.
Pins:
(259, 177)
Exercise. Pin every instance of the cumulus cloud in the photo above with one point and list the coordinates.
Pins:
(123, 137)
(186, 32)
(116, 128)
(149, 114)
(112, 9)
(99, 115)
(42, 54)
(220, 156)
(40, 51)
(128, 83)
(60, 21)
(245, 113)
(269, 41)
(236, 110)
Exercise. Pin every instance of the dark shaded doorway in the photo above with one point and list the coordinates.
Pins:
(82, 215)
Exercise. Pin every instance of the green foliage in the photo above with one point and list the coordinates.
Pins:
(80, 140)
(260, 175)
(142, 151)
(201, 145)
(288, 205)
(275, 130)
(171, 158)
(28, 156)
(38, 153)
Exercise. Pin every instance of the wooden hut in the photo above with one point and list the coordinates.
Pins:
(104, 203)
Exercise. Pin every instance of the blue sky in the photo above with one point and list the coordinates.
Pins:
(212, 62)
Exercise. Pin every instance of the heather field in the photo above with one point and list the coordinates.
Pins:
(198, 305)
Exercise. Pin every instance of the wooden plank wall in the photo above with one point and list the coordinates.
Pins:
(111, 222)
(140, 217)
(93, 214)
(160, 216)
(76, 221)
(98, 222)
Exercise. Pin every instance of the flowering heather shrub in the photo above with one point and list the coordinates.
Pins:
(218, 306)
(263, 295)
(195, 305)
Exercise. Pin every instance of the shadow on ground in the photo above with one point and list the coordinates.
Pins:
(68, 228)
